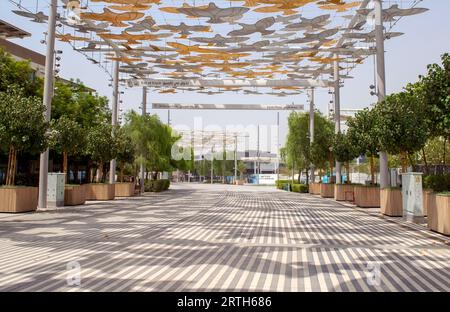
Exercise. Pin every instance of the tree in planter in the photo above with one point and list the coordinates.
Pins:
(362, 135)
(22, 126)
(401, 125)
(100, 146)
(344, 151)
(68, 138)
(125, 153)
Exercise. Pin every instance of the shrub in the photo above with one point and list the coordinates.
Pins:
(157, 185)
(281, 183)
(438, 183)
(299, 188)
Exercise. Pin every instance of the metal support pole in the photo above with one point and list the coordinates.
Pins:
(235, 159)
(278, 146)
(115, 104)
(381, 82)
(48, 96)
(212, 166)
(337, 113)
(311, 131)
(144, 113)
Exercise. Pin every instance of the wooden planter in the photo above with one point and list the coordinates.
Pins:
(239, 182)
(74, 195)
(439, 215)
(343, 192)
(391, 202)
(314, 188)
(18, 199)
(367, 196)
(429, 199)
(327, 190)
(100, 191)
(124, 189)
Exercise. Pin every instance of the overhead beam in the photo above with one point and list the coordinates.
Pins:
(229, 83)
(270, 107)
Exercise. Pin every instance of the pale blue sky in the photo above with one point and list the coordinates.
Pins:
(426, 38)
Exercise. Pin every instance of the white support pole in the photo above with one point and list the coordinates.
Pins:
(48, 96)
(212, 166)
(144, 113)
(311, 130)
(115, 104)
(337, 113)
(381, 82)
(235, 158)
(278, 146)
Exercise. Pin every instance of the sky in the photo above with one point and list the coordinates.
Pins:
(426, 38)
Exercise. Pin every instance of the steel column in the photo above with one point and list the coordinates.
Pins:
(337, 113)
(115, 104)
(144, 113)
(311, 130)
(47, 100)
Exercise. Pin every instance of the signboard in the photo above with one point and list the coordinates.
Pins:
(274, 107)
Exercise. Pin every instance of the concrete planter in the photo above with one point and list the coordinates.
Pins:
(100, 191)
(343, 192)
(367, 196)
(18, 199)
(124, 189)
(439, 215)
(314, 188)
(391, 202)
(74, 195)
(327, 190)
(239, 182)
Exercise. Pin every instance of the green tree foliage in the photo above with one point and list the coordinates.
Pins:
(344, 151)
(362, 136)
(402, 127)
(101, 146)
(68, 139)
(18, 73)
(125, 153)
(298, 151)
(22, 126)
(434, 92)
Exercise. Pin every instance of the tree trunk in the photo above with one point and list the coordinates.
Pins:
(122, 165)
(427, 169)
(372, 170)
(348, 172)
(100, 173)
(65, 165)
(331, 167)
(89, 172)
(307, 176)
(404, 161)
(12, 162)
(299, 175)
(445, 148)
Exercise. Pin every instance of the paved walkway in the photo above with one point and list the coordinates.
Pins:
(198, 238)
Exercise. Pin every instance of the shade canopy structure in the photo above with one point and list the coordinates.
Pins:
(256, 107)
(290, 44)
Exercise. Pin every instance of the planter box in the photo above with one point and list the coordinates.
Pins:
(74, 195)
(439, 215)
(18, 199)
(391, 202)
(343, 192)
(429, 200)
(239, 182)
(314, 188)
(100, 191)
(367, 196)
(124, 189)
(327, 190)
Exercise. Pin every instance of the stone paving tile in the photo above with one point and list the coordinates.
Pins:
(218, 238)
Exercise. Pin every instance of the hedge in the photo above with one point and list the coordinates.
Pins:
(299, 188)
(438, 183)
(281, 183)
(157, 185)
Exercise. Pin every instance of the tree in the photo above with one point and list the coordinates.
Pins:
(18, 73)
(22, 126)
(125, 153)
(344, 151)
(401, 125)
(68, 138)
(362, 135)
(434, 91)
(242, 169)
(100, 146)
